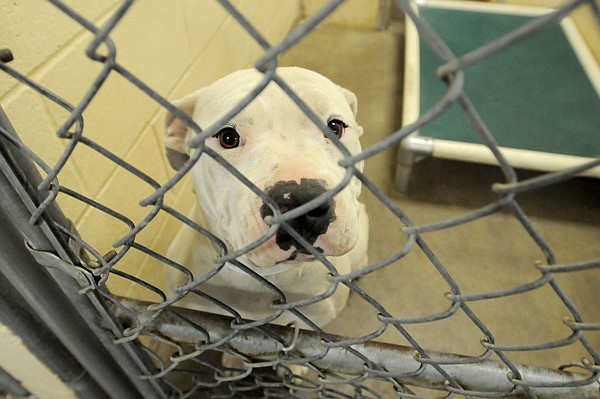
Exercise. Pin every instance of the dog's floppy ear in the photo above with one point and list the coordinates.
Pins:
(351, 99)
(176, 131)
(353, 102)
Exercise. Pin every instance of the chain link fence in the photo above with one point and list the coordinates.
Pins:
(144, 349)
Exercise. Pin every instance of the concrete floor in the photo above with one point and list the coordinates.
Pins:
(486, 255)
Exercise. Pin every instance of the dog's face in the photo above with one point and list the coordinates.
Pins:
(283, 153)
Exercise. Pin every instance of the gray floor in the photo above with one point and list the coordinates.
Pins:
(486, 255)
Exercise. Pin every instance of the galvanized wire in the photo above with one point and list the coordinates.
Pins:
(345, 367)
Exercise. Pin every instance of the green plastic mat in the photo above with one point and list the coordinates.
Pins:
(533, 96)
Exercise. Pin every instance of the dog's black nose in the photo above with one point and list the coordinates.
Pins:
(291, 194)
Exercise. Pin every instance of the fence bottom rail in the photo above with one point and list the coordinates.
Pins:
(475, 376)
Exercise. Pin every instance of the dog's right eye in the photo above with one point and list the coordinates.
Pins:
(337, 127)
(228, 138)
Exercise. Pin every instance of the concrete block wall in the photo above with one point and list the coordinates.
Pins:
(175, 47)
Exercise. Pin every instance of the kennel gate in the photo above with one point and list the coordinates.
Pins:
(111, 341)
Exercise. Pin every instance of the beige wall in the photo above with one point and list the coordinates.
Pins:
(362, 14)
(175, 47)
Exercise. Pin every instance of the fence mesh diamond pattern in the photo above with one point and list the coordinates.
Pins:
(173, 349)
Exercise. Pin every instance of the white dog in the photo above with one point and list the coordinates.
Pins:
(283, 153)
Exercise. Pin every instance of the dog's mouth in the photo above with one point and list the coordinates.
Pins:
(300, 257)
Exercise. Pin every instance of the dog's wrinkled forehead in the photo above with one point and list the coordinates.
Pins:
(322, 96)
(272, 107)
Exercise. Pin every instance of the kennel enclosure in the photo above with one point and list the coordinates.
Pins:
(114, 332)
(554, 71)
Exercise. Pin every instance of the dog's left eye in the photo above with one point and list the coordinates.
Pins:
(228, 138)
(337, 127)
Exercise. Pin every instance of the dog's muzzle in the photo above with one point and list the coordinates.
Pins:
(289, 195)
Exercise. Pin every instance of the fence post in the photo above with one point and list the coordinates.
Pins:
(54, 296)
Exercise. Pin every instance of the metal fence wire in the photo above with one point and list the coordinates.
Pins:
(167, 351)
